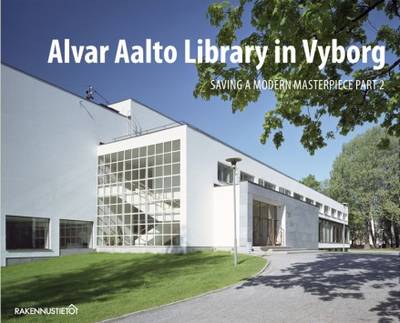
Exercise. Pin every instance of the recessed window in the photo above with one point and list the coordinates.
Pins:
(309, 201)
(245, 177)
(298, 196)
(285, 191)
(332, 232)
(75, 234)
(27, 233)
(266, 184)
(319, 205)
(225, 173)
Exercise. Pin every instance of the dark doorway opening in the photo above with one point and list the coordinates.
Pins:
(265, 224)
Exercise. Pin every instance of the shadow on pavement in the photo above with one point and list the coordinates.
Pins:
(389, 307)
(333, 276)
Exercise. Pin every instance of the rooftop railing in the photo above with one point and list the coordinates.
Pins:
(147, 131)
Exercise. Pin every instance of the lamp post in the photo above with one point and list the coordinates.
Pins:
(233, 161)
(344, 227)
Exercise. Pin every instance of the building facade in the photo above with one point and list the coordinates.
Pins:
(78, 176)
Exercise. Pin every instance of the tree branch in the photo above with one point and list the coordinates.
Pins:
(396, 8)
(361, 15)
(397, 62)
(387, 69)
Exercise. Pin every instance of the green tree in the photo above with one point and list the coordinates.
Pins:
(312, 182)
(291, 21)
(325, 187)
(368, 179)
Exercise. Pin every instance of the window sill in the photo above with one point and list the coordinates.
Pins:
(28, 250)
(72, 248)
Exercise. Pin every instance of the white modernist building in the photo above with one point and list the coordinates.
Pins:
(79, 176)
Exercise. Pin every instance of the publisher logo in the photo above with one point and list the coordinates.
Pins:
(69, 310)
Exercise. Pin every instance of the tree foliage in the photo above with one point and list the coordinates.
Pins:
(311, 182)
(291, 21)
(368, 179)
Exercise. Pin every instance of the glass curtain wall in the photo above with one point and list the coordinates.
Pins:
(332, 232)
(139, 196)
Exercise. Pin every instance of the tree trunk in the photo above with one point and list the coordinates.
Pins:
(372, 235)
(397, 235)
(392, 235)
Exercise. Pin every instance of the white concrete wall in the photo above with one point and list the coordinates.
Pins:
(223, 216)
(48, 153)
(142, 117)
(203, 155)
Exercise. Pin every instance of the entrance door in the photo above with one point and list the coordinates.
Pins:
(264, 224)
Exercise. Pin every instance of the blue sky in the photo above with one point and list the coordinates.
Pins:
(29, 26)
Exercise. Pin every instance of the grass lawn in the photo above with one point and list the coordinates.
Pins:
(104, 285)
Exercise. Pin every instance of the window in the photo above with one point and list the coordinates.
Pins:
(326, 209)
(244, 177)
(139, 203)
(266, 184)
(309, 201)
(332, 232)
(333, 212)
(285, 191)
(298, 196)
(319, 205)
(225, 173)
(27, 233)
(75, 234)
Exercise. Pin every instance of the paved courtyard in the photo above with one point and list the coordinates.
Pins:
(313, 287)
